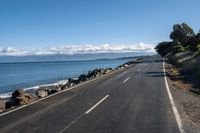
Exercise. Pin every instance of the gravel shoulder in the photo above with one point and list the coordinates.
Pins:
(187, 101)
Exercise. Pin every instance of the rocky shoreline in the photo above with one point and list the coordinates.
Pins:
(22, 97)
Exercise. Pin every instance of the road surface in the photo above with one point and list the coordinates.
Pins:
(132, 100)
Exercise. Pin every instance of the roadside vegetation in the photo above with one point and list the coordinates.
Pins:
(182, 56)
(184, 48)
(183, 39)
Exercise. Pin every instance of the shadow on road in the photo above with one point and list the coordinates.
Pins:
(155, 74)
(152, 59)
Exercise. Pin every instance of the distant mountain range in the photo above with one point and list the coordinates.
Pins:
(75, 57)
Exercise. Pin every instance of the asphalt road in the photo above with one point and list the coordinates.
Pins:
(132, 100)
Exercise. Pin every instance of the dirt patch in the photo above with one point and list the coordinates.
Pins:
(187, 102)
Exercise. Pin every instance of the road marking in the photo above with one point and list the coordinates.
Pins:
(138, 70)
(87, 112)
(126, 80)
(86, 82)
(69, 125)
(93, 107)
(177, 116)
(41, 99)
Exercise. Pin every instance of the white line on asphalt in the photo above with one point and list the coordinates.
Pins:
(177, 116)
(87, 112)
(86, 82)
(93, 107)
(70, 124)
(138, 70)
(126, 80)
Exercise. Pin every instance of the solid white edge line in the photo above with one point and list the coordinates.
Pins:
(126, 80)
(93, 107)
(175, 110)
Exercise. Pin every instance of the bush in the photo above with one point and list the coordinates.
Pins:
(198, 48)
(163, 48)
(179, 48)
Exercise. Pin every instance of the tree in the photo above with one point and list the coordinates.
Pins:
(164, 48)
(182, 34)
(195, 44)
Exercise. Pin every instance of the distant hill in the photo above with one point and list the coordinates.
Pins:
(64, 57)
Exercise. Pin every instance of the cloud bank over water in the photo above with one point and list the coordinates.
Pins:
(78, 49)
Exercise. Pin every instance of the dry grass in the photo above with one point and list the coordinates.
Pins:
(176, 78)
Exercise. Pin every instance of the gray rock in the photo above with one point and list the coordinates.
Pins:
(59, 88)
(125, 65)
(95, 73)
(42, 93)
(63, 84)
(71, 84)
(20, 97)
(82, 77)
(55, 89)
(50, 89)
(108, 70)
(73, 81)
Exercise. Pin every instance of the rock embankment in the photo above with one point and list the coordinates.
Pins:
(21, 97)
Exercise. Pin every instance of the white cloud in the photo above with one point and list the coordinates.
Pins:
(79, 49)
(12, 51)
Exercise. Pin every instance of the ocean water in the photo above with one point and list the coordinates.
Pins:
(28, 74)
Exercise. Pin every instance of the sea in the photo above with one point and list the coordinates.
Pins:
(25, 75)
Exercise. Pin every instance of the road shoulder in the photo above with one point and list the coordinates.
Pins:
(187, 102)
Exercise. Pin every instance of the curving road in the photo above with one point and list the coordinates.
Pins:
(131, 100)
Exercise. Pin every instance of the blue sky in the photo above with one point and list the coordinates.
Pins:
(35, 24)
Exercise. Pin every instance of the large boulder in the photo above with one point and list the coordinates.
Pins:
(49, 89)
(108, 70)
(95, 73)
(125, 65)
(63, 84)
(2, 105)
(90, 74)
(55, 89)
(73, 81)
(42, 93)
(82, 77)
(120, 67)
(20, 97)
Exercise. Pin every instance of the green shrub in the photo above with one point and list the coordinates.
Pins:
(198, 48)
(179, 48)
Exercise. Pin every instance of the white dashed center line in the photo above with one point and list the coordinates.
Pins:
(93, 107)
(126, 80)
(87, 112)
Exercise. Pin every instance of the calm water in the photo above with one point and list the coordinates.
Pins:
(23, 75)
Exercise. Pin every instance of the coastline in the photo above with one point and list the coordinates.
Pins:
(18, 75)
(32, 75)
(32, 94)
